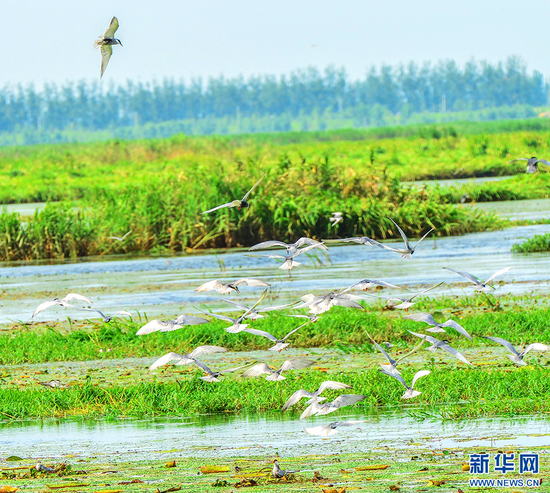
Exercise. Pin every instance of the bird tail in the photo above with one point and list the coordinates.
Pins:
(97, 43)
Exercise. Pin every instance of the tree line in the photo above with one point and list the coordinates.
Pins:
(400, 90)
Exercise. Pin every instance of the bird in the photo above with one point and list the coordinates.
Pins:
(330, 407)
(408, 251)
(532, 163)
(54, 384)
(212, 376)
(290, 247)
(185, 358)
(106, 42)
(106, 318)
(237, 203)
(480, 286)
(289, 261)
(299, 394)
(42, 468)
(278, 472)
(256, 313)
(409, 391)
(280, 344)
(117, 238)
(437, 327)
(391, 367)
(275, 375)
(61, 302)
(404, 303)
(437, 344)
(170, 325)
(330, 429)
(237, 323)
(335, 218)
(228, 287)
(361, 240)
(365, 284)
(323, 303)
(517, 357)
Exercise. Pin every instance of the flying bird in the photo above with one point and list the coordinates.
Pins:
(403, 303)
(532, 163)
(299, 394)
(290, 247)
(437, 327)
(237, 203)
(437, 344)
(106, 42)
(330, 429)
(335, 218)
(170, 325)
(117, 238)
(107, 318)
(61, 302)
(280, 344)
(289, 261)
(213, 376)
(365, 284)
(361, 240)
(228, 287)
(409, 391)
(516, 356)
(408, 251)
(391, 367)
(321, 304)
(256, 313)
(480, 286)
(186, 359)
(275, 375)
(330, 407)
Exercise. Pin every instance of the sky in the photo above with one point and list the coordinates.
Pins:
(51, 40)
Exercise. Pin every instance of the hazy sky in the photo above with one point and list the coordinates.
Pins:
(51, 40)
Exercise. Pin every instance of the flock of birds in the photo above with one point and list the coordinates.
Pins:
(316, 305)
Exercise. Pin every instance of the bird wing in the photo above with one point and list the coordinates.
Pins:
(322, 431)
(362, 240)
(455, 353)
(126, 234)
(375, 282)
(467, 275)
(206, 350)
(418, 242)
(504, 343)
(385, 247)
(229, 370)
(43, 306)
(111, 30)
(189, 320)
(229, 204)
(261, 333)
(457, 327)
(304, 240)
(294, 398)
(346, 302)
(114, 238)
(501, 271)
(294, 330)
(305, 249)
(257, 370)
(403, 235)
(223, 317)
(331, 384)
(312, 409)
(425, 291)
(251, 282)
(163, 360)
(152, 326)
(202, 366)
(419, 374)
(421, 317)
(296, 364)
(518, 159)
(428, 338)
(536, 346)
(74, 296)
(238, 305)
(397, 376)
(543, 161)
(209, 286)
(253, 187)
(386, 355)
(268, 244)
(106, 52)
(347, 400)
(279, 307)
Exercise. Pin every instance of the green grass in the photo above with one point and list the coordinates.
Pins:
(539, 243)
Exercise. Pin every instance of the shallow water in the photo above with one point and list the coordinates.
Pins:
(262, 434)
(517, 210)
(166, 285)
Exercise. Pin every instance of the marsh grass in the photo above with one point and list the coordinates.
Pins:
(538, 243)
(521, 320)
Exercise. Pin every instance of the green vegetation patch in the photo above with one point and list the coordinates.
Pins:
(539, 243)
